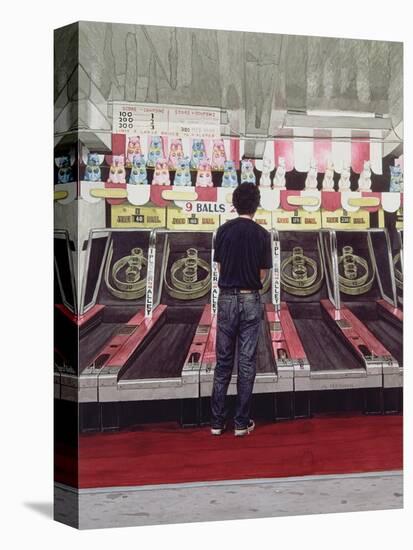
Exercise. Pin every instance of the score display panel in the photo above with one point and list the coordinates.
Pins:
(197, 216)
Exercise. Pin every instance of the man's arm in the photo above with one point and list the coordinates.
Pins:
(266, 257)
(217, 248)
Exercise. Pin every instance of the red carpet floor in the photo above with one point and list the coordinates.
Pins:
(165, 453)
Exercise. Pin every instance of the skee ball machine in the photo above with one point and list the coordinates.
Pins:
(112, 308)
(396, 243)
(165, 366)
(340, 352)
(148, 290)
(322, 359)
(65, 262)
(65, 349)
(368, 289)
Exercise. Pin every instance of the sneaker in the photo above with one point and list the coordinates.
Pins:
(239, 432)
(218, 431)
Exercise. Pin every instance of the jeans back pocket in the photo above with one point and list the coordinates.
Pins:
(252, 308)
(224, 309)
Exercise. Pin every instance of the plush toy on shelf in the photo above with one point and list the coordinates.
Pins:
(311, 179)
(161, 173)
(328, 181)
(117, 171)
(65, 172)
(204, 176)
(396, 179)
(265, 179)
(182, 174)
(229, 177)
(218, 155)
(364, 183)
(344, 181)
(138, 174)
(176, 153)
(93, 171)
(198, 153)
(279, 178)
(247, 171)
(155, 151)
(133, 148)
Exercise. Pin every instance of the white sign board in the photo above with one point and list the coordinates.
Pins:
(150, 279)
(166, 120)
(276, 273)
(214, 285)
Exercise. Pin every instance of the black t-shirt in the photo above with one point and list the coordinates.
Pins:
(242, 247)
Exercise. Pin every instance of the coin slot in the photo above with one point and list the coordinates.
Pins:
(100, 361)
(365, 350)
(282, 353)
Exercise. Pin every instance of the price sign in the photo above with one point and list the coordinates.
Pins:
(136, 119)
(187, 221)
(194, 122)
(342, 219)
(166, 120)
(298, 219)
(127, 215)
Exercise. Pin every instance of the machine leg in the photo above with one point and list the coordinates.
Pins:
(274, 407)
(190, 412)
(373, 401)
(95, 417)
(89, 417)
(110, 416)
(302, 404)
(393, 400)
(283, 406)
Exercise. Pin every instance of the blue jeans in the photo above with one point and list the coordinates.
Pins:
(238, 320)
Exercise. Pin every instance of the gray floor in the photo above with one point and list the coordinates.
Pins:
(158, 504)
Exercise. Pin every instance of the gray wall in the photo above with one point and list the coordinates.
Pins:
(250, 74)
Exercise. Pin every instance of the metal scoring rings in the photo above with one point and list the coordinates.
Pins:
(126, 280)
(299, 274)
(397, 272)
(350, 280)
(185, 283)
(398, 275)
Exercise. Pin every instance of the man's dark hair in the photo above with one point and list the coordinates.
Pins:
(246, 198)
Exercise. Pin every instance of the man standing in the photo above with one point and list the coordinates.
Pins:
(243, 254)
